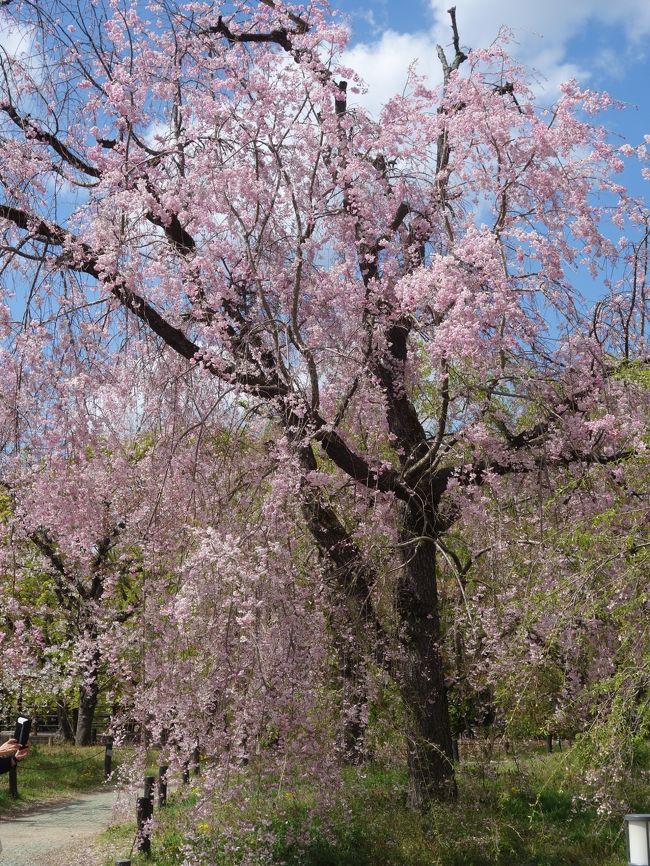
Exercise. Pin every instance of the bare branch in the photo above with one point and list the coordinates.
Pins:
(460, 55)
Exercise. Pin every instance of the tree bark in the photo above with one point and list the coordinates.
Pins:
(87, 706)
(421, 672)
(356, 633)
(88, 691)
(64, 727)
(352, 682)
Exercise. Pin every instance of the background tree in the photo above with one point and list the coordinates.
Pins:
(548, 635)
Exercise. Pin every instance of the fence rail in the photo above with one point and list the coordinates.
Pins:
(45, 723)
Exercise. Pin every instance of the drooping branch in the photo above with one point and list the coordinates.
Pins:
(85, 260)
(375, 477)
(346, 564)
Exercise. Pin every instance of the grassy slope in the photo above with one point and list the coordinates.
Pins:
(523, 814)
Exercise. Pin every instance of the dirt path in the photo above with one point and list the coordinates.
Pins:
(56, 833)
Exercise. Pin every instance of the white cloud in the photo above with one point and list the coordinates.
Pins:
(543, 30)
(16, 41)
(554, 22)
(384, 65)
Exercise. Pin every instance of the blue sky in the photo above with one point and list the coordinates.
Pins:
(602, 43)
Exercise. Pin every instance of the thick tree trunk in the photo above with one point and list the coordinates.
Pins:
(428, 728)
(357, 635)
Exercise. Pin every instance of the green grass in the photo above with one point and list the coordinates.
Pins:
(507, 814)
(117, 840)
(53, 772)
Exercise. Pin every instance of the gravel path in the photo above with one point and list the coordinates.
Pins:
(57, 833)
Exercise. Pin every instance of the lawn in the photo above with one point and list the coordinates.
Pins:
(52, 772)
(524, 813)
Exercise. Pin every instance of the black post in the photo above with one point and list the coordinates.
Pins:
(549, 743)
(186, 773)
(196, 760)
(559, 743)
(13, 781)
(149, 782)
(162, 785)
(144, 813)
(108, 758)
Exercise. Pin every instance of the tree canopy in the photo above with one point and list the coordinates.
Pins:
(202, 233)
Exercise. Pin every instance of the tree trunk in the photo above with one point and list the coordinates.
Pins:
(352, 679)
(87, 705)
(64, 727)
(428, 728)
(88, 691)
(357, 635)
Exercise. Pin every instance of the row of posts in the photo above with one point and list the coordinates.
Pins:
(144, 805)
(162, 785)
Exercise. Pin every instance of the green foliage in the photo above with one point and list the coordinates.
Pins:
(634, 372)
(143, 443)
(6, 509)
